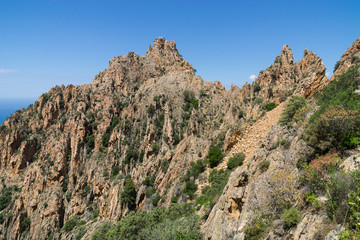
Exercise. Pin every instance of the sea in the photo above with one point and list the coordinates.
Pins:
(9, 106)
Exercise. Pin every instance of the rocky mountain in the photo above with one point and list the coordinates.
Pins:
(150, 134)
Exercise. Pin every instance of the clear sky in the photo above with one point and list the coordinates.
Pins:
(54, 42)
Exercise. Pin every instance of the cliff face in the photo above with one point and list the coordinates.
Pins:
(254, 193)
(147, 117)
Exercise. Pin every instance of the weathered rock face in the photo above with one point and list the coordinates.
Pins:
(350, 58)
(144, 116)
(256, 191)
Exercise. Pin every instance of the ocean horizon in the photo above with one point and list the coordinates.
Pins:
(10, 106)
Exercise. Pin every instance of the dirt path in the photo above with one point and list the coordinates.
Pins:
(250, 140)
(253, 135)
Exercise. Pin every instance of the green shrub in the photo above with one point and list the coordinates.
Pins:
(128, 195)
(176, 139)
(149, 181)
(156, 200)
(71, 224)
(256, 87)
(264, 165)
(174, 199)
(215, 156)
(164, 165)
(295, 104)
(155, 148)
(90, 141)
(5, 197)
(218, 180)
(190, 188)
(270, 106)
(291, 217)
(105, 139)
(100, 233)
(115, 171)
(150, 191)
(178, 221)
(254, 232)
(336, 125)
(259, 101)
(285, 143)
(151, 110)
(236, 160)
(25, 224)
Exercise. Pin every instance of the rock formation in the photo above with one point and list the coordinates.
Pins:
(69, 153)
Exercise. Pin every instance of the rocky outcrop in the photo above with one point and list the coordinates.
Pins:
(350, 58)
(148, 117)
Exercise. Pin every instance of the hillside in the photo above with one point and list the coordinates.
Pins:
(146, 145)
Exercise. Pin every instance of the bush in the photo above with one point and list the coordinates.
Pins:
(178, 221)
(270, 106)
(256, 87)
(5, 197)
(149, 181)
(90, 142)
(115, 171)
(236, 161)
(215, 156)
(264, 165)
(294, 105)
(190, 188)
(71, 224)
(151, 110)
(105, 139)
(336, 125)
(291, 217)
(218, 180)
(128, 195)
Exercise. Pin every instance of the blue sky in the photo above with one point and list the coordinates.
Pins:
(48, 43)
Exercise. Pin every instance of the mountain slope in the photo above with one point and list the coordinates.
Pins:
(92, 153)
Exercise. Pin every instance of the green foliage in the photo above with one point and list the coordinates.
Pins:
(105, 139)
(151, 110)
(190, 100)
(156, 200)
(270, 106)
(336, 125)
(174, 199)
(155, 148)
(100, 233)
(115, 171)
(178, 221)
(254, 232)
(295, 104)
(285, 143)
(164, 164)
(71, 223)
(236, 160)
(6, 197)
(337, 65)
(176, 139)
(217, 179)
(215, 156)
(291, 217)
(128, 195)
(264, 165)
(258, 100)
(195, 170)
(149, 181)
(190, 188)
(256, 87)
(149, 192)
(90, 141)
(25, 224)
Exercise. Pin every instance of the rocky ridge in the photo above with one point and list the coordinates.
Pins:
(70, 151)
